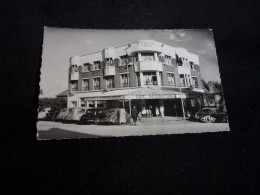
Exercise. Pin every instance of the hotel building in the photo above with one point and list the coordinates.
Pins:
(142, 73)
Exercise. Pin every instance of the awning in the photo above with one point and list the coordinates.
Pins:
(134, 93)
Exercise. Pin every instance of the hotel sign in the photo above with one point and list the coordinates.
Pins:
(155, 96)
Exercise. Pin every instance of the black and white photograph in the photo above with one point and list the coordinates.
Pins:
(116, 83)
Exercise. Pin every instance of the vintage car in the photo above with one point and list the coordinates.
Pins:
(52, 114)
(61, 116)
(74, 114)
(112, 117)
(93, 116)
(211, 115)
(42, 114)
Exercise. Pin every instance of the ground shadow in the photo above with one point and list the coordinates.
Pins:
(56, 133)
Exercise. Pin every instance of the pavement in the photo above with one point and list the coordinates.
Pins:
(149, 126)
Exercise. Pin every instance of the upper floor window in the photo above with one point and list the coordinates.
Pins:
(124, 59)
(149, 78)
(96, 83)
(97, 65)
(168, 60)
(192, 65)
(109, 61)
(86, 67)
(124, 80)
(147, 56)
(85, 84)
(195, 82)
(182, 80)
(74, 68)
(171, 79)
(110, 82)
(74, 85)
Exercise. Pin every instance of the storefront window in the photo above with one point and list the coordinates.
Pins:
(91, 104)
(171, 79)
(82, 102)
(96, 83)
(101, 104)
(124, 80)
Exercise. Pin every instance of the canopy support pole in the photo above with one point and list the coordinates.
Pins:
(130, 106)
(182, 106)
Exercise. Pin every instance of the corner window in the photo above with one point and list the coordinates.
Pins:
(168, 60)
(195, 82)
(74, 85)
(110, 82)
(74, 68)
(109, 61)
(192, 65)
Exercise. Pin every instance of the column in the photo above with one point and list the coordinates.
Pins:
(139, 57)
(141, 79)
(184, 78)
(158, 78)
(156, 57)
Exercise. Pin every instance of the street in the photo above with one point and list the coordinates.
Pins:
(149, 126)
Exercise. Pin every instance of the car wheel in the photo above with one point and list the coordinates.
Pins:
(97, 121)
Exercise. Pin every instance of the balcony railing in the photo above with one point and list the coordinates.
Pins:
(150, 82)
(96, 87)
(109, 86)
(85, 88)
(171, 83)
(73, 88)
(110, 71)
(124, 84)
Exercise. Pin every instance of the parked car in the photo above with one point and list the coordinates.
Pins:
(112, 117)
(74, 114)
(93, 116)
(61, 116)
(211, 115)
(42, 114)
(52, 114)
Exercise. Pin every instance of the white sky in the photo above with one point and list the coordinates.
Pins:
(60, 44)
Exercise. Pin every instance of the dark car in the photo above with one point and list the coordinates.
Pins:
(93, 116)
(52, 114)
(112, 116)
(211, 115)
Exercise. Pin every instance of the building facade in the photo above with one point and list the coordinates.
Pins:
(122, 69)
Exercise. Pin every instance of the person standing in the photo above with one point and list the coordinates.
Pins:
(175, 110)
(162, 111)
(122, 116)
(144, 112)
(156, 110)
(151, 111)
(134, 114)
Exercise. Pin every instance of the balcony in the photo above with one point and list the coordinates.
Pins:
(110, 71)
(148, 66)
(74, 76)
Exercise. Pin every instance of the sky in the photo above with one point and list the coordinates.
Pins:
(60, 44)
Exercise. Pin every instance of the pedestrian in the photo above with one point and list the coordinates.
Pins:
(162, 111)
(175, 110)
(156, 110)
(122, 116)
(151, 111)
(140, 117)
(134, 114)
(144, 112)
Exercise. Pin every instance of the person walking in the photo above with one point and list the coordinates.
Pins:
(156, 110)
(162, 111)
(134, 114)
(122, 116)
(175, 110)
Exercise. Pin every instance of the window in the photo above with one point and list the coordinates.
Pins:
(195, 82)
(83, 102)
(74, 68)
(147, 56)
(96, 83)
(85, 85)
(86, 67)
(171, 79)
(91, 104)
(149, 78)
(138, 78)
(109, 62)
(192, 65)
(124, 80)
(168, 60)
(123, 60)
(74, 85)
(101, 104)
(182, 83)
(97, 65)
(110, 82)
